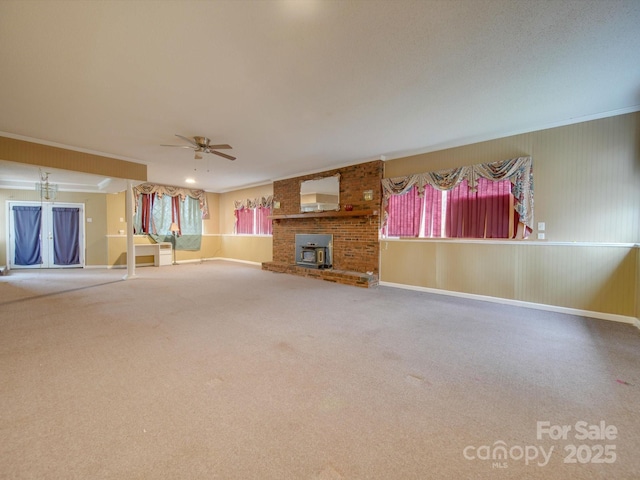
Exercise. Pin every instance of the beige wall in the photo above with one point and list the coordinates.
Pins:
(248, 248)
(587, 189)
(116, 214)
(591, 278)
(95, 205)
(211, 225)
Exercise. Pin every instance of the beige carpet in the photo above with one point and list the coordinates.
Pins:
(223, 371)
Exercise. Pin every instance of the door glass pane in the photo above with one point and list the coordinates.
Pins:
(66, 244)
(27, 224)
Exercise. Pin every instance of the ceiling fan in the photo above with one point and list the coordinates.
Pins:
(203, 145)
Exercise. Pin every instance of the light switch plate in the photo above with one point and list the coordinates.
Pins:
(541, 236)
(541, 226)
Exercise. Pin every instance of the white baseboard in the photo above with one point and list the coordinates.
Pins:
(109, 267)
(519, 303)
(179, 262)
(246, 262)
(198, 260)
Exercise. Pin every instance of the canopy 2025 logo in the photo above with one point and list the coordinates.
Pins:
(499, 453)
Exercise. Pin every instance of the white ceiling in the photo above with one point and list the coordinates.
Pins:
(297, 86)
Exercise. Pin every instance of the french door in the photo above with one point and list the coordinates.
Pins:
(46, 235)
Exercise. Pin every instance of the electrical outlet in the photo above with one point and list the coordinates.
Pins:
(541, 226)
(541, 236)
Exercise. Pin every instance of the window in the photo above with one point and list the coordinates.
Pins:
(456, 213)
(245, 220)
(410, 215)
(156, 212)
(252, 217)
(442, 204)
(486, 212)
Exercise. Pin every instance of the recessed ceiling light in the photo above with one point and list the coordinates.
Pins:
(190, 180)
(300, 8)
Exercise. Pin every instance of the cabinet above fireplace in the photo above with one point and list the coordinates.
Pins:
(352, 213)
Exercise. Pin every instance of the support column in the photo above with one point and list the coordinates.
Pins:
(131, 254)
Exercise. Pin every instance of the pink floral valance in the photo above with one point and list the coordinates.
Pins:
(518, 170)
(160, 190)
(265, 202)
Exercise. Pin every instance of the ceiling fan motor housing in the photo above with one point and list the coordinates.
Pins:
(203, 142)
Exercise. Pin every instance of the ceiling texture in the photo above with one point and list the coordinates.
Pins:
(302, 86)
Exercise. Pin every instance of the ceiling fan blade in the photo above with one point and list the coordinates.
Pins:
(188, 140)
(223, 155)
(219, 147)
(178, 146)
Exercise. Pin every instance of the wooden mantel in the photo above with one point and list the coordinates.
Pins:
(352, 213)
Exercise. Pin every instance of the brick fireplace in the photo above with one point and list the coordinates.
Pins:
(356, 248)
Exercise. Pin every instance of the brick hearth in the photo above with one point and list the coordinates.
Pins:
(331, 275)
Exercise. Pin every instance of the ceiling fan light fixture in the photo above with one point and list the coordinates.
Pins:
(203, 141)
